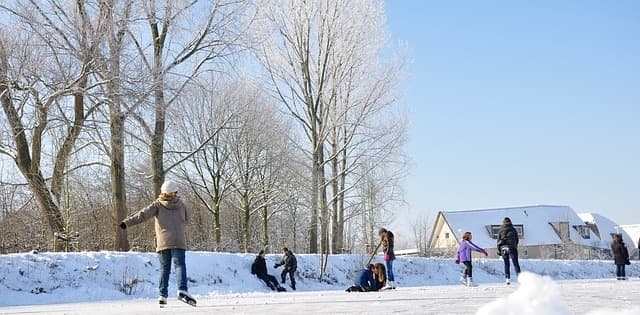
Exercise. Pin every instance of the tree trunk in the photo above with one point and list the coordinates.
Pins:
(217, 232)
(118, 193)
(315, 184)
(31, 171)
(265, 226)
(246, 221)
(157, 139)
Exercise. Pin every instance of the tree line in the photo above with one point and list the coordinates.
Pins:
(279, 118)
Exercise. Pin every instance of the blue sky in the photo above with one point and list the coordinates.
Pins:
(522, 103)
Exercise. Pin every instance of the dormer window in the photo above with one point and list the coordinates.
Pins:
(583, 230)
(493, 230)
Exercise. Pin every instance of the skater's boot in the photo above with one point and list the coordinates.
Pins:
(507, 281)
(184, 296)
(389, 285)
(162, 301)
(463, 279)
(469, 282)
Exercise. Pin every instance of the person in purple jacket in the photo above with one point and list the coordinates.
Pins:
(464, 256)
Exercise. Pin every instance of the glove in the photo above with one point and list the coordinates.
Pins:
(123, 225)
(457, 261)
(499, 253)
(276, 266)
(485, 253)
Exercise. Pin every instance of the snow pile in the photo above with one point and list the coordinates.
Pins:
(536, 295)
(46, 278)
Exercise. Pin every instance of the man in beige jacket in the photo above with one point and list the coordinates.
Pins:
(171, 218)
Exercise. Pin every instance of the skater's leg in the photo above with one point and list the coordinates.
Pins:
(181, 268)
(292, 278)
(507, 271)
(283, 276)
(619, 271)
(271, 279)
(514, 258)
(165, 269)
(389, 265)
(468, 271)
(267, 281)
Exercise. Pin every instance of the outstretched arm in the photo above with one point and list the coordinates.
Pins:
(142, 215)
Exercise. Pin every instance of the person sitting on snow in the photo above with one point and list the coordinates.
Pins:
(259, 268)
(364, 281)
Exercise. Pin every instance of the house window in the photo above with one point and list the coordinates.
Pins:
(446, 235)
(495, 229)
(583, 230)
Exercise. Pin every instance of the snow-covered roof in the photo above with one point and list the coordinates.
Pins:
(633, 230)
(535, 220)
(606, 227)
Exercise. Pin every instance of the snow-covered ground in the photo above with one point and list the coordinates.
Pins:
(125, 283)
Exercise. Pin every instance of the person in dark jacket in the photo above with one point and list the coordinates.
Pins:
(364, 281)
(508, 247)
(386, 239)
(259, 268)
(620, 256)
(290, 265)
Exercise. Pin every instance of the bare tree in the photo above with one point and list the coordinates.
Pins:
(204, 122)
(53, 63)
(314, 55)
(256, 151)
(185, 38)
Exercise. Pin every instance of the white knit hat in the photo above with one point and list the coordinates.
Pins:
(169, 187)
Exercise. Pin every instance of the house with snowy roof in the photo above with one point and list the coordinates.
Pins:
(605, 228)
(545, 232)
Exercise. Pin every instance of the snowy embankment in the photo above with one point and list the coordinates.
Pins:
(45, 278)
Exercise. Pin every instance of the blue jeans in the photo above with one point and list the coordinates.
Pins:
(165, 257)
(389, 265)
(620, 272)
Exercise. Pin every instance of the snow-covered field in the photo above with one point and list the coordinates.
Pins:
(125, 283)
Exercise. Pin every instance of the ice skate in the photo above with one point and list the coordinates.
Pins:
(470, 282)
(185, 297)
(162, 301)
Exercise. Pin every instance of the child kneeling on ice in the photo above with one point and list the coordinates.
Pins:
(365, 280)
(464, 256)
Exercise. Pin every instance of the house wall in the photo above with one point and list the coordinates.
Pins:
(554, 251)
(445, 238)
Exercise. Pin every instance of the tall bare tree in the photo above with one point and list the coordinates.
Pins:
(63, 47)
(324, 61)
(204, 121)
(184, 38)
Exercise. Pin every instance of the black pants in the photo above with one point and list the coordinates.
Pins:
(270, 280)
(468, 270)
(513, 253)
(356, 288)
(291, 277)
